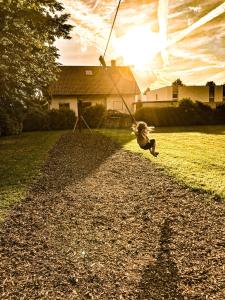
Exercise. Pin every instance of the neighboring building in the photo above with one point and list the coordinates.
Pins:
(158, 104)
(206, 94)
(92, 85)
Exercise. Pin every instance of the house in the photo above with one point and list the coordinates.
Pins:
(170, 95)
(92, 85)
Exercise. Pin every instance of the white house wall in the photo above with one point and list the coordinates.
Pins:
(162, 94)
(116, 103)
(58, 100)
(195, 93)
(112, 102)
(219, 93)
(100, 101)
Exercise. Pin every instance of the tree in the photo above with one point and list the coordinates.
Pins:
(28, 30)
(177, 82)
(146, 91)
(210, 84)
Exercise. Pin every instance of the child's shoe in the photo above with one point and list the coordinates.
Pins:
(155, 154)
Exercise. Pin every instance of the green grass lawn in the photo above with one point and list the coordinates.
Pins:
(21, 158)
(194, 155)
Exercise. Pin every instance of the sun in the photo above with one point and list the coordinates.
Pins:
(138, 46)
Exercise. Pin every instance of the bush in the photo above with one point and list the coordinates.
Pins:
(95, 115)
(9, 124)
(220, 113)
(117, 119)
(205, 112)
(54, 119)
(61, 119)
(187, 113)
(36, 120)
(187, 104)
(168, 116)
(203, 107)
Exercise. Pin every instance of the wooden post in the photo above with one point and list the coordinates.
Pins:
(80, 117)
(79, 111)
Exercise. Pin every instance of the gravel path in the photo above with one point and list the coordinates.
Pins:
(104, 223)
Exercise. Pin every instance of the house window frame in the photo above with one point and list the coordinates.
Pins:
(223, 93)
(115, 105)
(175, 95)
(88, 72)
(175, 92)
(64, 106)
(211, 94)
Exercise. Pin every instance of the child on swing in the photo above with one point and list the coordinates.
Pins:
(141, 130)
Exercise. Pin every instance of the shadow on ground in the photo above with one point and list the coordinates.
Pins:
(72, 159)
(160, 281)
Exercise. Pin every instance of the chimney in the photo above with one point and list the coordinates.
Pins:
(113, 63)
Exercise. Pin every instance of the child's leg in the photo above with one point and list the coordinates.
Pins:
(152, 150)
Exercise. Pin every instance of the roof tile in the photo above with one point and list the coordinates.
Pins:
(75, 80)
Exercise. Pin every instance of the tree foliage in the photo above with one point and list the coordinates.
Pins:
(210, 84)
(177, 82)
(28, 30)
(95, 115)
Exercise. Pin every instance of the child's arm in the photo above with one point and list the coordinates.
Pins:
(134, 128)
(151, 128)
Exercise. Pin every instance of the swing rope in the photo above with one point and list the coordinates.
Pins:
(114, 20)
(102, 61)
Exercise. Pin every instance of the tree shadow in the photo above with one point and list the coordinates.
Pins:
(75, 156)
(160, 281)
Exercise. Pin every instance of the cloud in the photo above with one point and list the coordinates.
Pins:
(196, 53)
(163, 27)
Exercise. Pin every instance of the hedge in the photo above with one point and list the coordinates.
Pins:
(192, 113)
(95, 115)
(9, 124)
(49, 120)
(188, 113)
(61, 119)
(116, 119)
(36, 120)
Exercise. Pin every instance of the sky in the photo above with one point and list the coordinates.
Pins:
(161, 40)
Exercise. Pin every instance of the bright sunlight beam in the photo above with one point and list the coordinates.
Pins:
(138, 46)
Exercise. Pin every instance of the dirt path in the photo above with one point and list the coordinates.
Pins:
(103, 223)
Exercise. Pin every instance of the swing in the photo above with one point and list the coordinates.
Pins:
(150, 145)
(103, 63)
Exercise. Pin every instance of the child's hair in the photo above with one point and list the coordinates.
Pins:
(140, 127)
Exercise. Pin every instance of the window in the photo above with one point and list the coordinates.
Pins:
(175, 92)
(117, 105)
(211, 93)
(64, 106)
(175, 96)
(88, 72)
(224, 92)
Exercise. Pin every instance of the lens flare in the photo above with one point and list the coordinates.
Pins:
(138, 46)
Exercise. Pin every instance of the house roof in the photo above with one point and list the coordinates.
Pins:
(93, 80)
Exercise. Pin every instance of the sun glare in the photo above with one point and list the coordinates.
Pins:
(138, 46)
